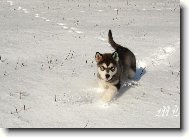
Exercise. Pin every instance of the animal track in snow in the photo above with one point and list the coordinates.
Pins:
(47, 20)
(69, 99)
(25, 10)
(19, 8)
(43, 18)
(131, 82)
(168, 49)
(61, 24)
(100, 10)
(101, 38)
(72, 29)
(79, 32)
(11, 3)
(162, 54)
(65, 27)
(169, 8)
(37, 15)
(157, 58)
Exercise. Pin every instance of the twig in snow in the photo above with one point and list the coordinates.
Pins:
(86, 124)
(55, 98)
(20, 95)
(5, 74)
(142, 71)
(17, 111)
(117, 11)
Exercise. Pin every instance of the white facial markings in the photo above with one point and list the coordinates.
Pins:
(104, 65)
(112, 73)
(104, 72)
(110, 65)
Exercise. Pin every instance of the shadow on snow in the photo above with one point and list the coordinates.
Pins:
(139, 73)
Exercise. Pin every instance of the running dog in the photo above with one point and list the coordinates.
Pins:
(114, 68)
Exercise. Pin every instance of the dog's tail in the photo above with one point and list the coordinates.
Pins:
(111, 41)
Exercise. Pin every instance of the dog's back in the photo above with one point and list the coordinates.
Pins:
(127, 58)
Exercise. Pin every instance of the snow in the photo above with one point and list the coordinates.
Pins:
(48, 70)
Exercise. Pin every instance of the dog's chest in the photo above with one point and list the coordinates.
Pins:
(106, 85)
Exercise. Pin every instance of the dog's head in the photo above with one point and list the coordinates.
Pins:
(107, 65)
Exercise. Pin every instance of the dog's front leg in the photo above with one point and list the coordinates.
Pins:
(102, 84)
(109, 93)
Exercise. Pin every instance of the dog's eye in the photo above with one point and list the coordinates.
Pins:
(102, 68)
(112, 68)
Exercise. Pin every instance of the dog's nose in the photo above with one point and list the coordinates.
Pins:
(107, 75)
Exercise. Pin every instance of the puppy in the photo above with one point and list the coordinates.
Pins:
(114, 68)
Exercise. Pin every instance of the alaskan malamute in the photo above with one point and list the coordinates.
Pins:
(114, 68)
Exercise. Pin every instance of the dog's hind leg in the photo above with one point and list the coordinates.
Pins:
(124, 75)
(127, 74)
(131, 73)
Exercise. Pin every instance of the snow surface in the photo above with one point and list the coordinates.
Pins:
(48, 71)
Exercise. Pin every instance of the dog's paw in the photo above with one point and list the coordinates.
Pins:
(109, 95)
(106, 98)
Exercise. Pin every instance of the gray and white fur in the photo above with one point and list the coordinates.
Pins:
(114, 68)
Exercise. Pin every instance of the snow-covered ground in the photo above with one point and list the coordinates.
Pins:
(48, 70)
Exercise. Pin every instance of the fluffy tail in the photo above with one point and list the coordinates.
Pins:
(111, 41)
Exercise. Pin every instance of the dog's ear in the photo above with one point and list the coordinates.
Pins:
(115, 56)
(98, 57)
